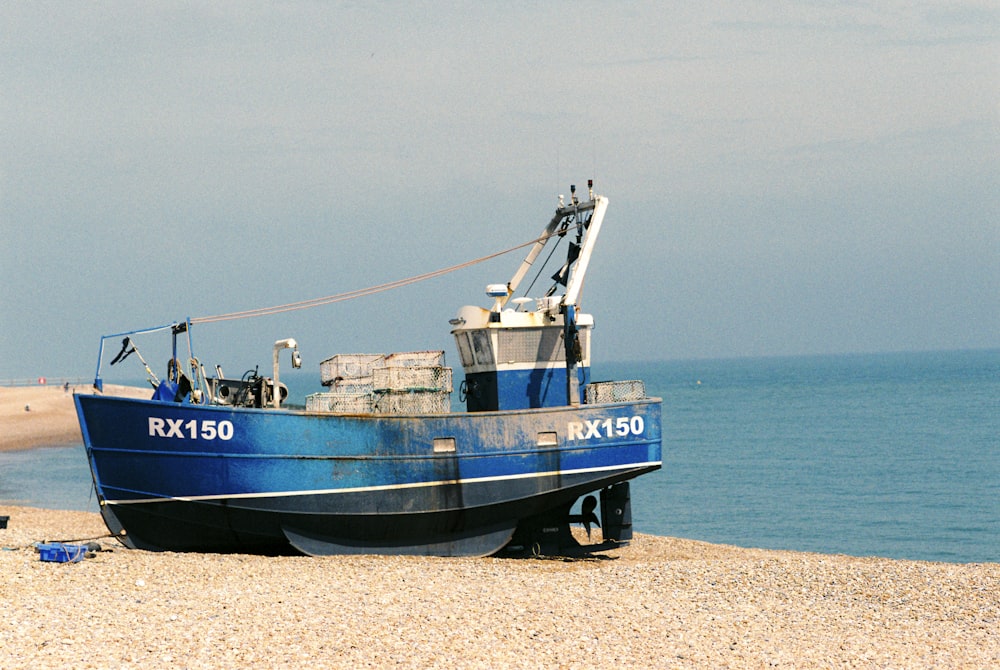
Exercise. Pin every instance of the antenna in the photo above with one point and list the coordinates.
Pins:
(558, 167)
(593, 149)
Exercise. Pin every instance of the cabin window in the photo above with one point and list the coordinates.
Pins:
(585, 344)
(465, 349)
(444, 445)
(481, 347)
(548, 439)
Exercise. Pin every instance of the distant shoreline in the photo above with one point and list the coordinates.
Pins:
(45, 416)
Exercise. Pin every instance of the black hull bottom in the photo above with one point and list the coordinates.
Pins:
(529, 525)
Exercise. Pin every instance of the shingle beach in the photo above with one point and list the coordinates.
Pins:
(660, 602)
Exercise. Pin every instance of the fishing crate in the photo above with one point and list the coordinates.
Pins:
(412, 378)
(349, 366)
(617, 391)
(412, 402)
(57, 552)
(358, 386)
(404, 359)
(340, 403)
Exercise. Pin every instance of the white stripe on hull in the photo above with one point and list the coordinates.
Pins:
(389, 487)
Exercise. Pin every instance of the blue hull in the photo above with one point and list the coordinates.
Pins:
(185, 477)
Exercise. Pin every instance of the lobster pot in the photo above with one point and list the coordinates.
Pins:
(413, 378)
(618, 391)
(340, 403)
(432, 359)
(349, 366)
(412, 402)
(358, 386)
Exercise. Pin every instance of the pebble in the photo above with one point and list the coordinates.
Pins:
(659, 602)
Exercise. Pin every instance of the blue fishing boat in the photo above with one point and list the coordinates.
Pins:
(378, 461)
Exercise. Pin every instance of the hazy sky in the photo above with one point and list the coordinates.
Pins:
(785, 177)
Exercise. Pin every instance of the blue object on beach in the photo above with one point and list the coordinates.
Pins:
(58, 552)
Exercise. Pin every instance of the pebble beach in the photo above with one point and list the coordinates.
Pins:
(658, 602)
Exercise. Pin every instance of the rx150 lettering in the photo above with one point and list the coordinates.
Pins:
(598, 428)
(190, 430)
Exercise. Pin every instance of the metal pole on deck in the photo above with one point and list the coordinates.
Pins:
(570, 340)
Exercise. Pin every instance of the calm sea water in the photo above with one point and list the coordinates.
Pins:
(893, 455)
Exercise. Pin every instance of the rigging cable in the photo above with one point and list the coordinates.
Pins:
(358, 293)
(541, 268)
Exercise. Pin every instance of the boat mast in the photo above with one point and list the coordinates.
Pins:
(566, 216)
(574, 286)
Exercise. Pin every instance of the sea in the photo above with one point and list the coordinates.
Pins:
(894, 455)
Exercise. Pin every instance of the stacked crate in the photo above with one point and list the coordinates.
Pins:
(340, 403)
(349, 378)
(349, 368)
(413, 382)
(617, 391)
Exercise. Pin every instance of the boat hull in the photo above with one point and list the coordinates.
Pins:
(182, 477)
